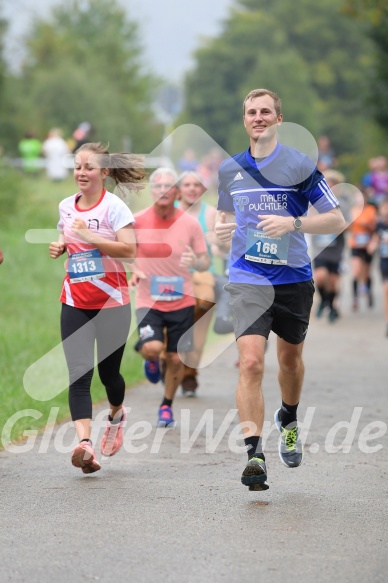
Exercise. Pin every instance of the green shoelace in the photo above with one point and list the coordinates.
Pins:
(290, 437)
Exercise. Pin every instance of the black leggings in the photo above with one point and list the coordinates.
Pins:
(80, 329)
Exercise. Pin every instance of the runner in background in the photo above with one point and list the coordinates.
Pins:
(191, 189)
(169, 244)
(363, 225)
(54, 149)
(378, 190)
(30, 149)
(380, 242)
(96, 231)
(328, 253)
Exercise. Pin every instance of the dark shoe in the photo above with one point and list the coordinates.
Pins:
(255, 474)
(189, 386)
(290, 445)
(321, 308)
(333, 315)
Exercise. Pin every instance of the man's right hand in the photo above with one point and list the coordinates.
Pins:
(224, 230)
(135, 278)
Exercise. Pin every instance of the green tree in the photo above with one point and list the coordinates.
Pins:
(313, 55)
(373, 10)
(84, 63)
(375, 14)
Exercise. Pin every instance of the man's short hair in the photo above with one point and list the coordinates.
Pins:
(165, 170)
(259, 93)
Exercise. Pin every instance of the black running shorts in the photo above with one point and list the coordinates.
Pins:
(284, 309)
(177, 324)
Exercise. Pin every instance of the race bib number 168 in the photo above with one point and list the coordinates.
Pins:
(261, 248)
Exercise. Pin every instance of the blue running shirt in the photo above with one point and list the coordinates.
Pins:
(285, 183)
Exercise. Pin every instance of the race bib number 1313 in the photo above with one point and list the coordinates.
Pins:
(85, 266)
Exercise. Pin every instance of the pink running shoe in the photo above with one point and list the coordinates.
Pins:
(113, 437)
(84, 457)
(165, 418)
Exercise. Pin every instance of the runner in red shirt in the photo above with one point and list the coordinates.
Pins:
(170, 244)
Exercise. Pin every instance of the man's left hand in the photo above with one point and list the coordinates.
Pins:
(275, 225)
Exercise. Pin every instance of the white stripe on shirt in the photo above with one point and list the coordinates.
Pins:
(69, 297)
(109, 290)
(232, 192)
(328, 192)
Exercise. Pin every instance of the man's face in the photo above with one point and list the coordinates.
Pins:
(260, 118)
(191, 189)
(164, 190)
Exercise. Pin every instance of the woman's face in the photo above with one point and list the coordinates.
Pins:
(88, 174)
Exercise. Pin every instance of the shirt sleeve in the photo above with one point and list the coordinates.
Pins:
(319, 193)
(60, 225)
(120, 215)
(225, 201)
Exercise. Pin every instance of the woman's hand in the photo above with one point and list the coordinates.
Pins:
(56, 249)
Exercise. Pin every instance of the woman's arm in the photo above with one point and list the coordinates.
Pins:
(124, 248)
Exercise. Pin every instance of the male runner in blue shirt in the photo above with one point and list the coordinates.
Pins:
(264, 194)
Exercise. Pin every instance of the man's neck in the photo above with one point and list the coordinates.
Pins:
(262, 149)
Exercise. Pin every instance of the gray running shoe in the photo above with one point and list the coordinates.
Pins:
(290, 445)
(255, 474)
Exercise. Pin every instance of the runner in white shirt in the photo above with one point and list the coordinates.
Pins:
(96, 230)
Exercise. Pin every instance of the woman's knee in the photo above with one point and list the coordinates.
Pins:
(114, 380)
(80, 375)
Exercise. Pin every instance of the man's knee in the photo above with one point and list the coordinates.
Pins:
(151, 350)
(290, 363)
(251, 365)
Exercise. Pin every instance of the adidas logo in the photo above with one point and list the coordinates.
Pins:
(238, 176)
